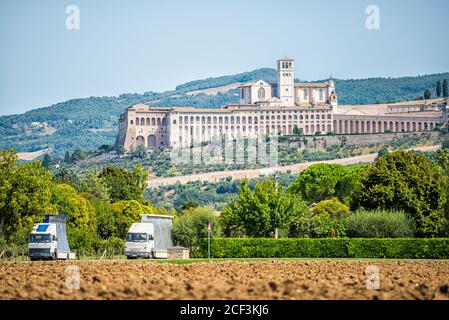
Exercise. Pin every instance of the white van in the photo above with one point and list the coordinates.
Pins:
(140, 241)
(48, 240)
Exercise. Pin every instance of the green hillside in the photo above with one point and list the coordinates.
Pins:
(90, 122)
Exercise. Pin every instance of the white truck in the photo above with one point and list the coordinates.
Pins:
(48, 240)
(149, 238)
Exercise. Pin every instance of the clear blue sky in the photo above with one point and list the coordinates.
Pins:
(137, 46)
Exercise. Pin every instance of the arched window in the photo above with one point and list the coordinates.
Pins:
(261, 93)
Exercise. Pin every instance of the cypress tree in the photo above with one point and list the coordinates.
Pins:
(427, 94)
(46, 162)
(438, 89)
(445, 93)
(67, 157)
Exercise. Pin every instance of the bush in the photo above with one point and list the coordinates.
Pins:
(326, 219)
(379, 224)
(436, 248)
(191, 227)
(316, 226)
(275, 248)
(404, 248)
(332, 208)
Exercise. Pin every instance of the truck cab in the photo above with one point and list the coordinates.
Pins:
(140, 241)
(43, 242)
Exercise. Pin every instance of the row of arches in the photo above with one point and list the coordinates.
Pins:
(150, 142)
(246, 119)
(150, 121)
(377, 126)
(218, 120)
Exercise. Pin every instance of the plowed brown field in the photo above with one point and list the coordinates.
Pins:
(314, 279)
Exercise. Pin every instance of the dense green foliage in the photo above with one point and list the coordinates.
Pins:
(410, 182)
(91, 122)
(445, 89)
(25, 191)
(190, 226)
(326, 248)
(261, 212)
(379, 224)
(326, 219)
(438, 88)
(396, 182)
(124, 185)
(100, 207)
(322, 181)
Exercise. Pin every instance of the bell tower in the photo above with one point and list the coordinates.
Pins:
(286, 79)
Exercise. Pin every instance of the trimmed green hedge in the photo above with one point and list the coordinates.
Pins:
(407, 248)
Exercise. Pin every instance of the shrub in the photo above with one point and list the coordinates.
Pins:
(379, 224)
(275, 248)
(404, 248)
(332, 208)
(436, 248)
(326, 219)
(191, 227)
(316, 226)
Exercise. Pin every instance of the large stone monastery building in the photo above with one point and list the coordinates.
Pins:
(273, 109)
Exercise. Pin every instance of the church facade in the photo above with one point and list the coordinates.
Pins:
(271, 109)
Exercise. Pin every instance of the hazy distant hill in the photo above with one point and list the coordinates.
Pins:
(90, 122)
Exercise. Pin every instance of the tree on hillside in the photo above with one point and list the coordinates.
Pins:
(123, 184)
(260, 212)
(105, 147)
(445, 89)
(427, 94)
(120, 150)
(69, 177)
(410, 182)
(78, 155)
(297, 131)
(46, 162)
(438, 88)
(67, 157)
(95, 186)
(140, 152)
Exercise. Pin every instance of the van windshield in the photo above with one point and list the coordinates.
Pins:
(136, 237)
(40, 238)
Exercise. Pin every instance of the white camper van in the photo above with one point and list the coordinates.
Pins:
(149, 238)
(140, 241)
(48, 240)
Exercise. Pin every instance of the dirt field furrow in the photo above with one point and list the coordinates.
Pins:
(226, 280)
